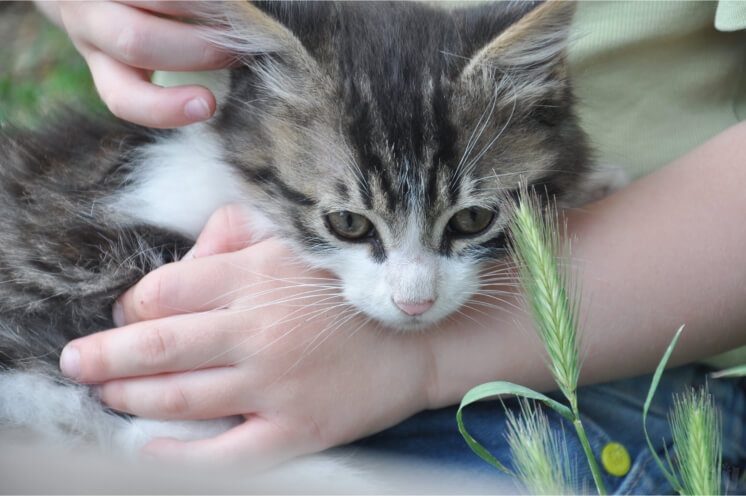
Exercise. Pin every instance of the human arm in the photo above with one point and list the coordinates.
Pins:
(124, 42)
(665, 251)
(662, 252)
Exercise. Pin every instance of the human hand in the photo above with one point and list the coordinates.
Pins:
(254, 333)
(124, 42)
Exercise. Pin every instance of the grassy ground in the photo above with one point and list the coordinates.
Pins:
(40, 69)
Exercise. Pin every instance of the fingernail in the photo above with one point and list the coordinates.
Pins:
(190, 254)
(197, 110)
(70, 362)
(117, 314)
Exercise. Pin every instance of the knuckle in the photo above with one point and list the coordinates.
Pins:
(129, 44)
(317, 434)
(112, 394)
(237, 224)
(99, 365)
(158, 116)
(174, 402)
(70, 15)
(210, 54)
(153, 348)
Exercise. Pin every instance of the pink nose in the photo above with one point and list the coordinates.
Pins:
(417, 308)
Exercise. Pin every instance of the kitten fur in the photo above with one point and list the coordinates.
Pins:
(404, 113)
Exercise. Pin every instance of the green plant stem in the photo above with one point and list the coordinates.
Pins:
(578, 424)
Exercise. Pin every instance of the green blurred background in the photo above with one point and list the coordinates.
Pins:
(40, 70)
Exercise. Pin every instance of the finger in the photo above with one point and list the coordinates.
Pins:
(131, 96)
(140, 39)
(200, 394)
(185, 9)
(167, 345)
(259, 442)
(185, 287)
(230, 228)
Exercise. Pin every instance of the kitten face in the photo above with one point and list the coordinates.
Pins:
(391, 153)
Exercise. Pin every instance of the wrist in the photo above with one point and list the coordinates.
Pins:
(479, 346)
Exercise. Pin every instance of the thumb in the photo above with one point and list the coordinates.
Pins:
(230, 228)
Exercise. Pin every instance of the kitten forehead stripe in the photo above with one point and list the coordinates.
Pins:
(267, 179)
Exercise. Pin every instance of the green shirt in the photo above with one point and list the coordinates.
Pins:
(656, 79)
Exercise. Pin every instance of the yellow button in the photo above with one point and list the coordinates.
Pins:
(615, 459)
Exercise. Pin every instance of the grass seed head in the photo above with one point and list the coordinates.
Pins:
(536, 248)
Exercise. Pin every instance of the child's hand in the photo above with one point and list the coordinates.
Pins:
(124, 42)
(252, 332)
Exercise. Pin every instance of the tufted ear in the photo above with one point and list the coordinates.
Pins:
(531, 50)
(244, 29)
(248, 32)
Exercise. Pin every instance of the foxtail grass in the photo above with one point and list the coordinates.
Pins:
(539, 455)
(536, 248)
(697, 437)
(553, 302)
(696, 428)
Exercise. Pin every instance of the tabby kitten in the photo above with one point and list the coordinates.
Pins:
(383, 141)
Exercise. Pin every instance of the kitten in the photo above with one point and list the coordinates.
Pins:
(382, 141)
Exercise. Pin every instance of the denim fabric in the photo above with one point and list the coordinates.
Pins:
(610, 412)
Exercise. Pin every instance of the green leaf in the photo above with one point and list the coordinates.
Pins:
(670, 476)
(499, 388)
(492, 389)
(738, 371)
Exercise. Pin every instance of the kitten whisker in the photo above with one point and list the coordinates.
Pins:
(460, 312)
(284, 319)
(511, 305)
(473, 139)
(305, 319)
(308, 352)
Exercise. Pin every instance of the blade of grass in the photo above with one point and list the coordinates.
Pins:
(670, 476)
(738, 371)
(496, 389)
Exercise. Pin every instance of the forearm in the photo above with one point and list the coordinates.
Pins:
(666, 251)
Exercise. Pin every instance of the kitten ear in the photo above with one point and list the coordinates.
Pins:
(246, 31)
(531, 50)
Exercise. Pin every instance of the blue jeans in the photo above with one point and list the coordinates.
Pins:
(610, 412)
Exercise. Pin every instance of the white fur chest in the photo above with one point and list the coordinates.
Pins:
(179, 181)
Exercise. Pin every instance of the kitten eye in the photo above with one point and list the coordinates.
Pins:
(472, 220)
(349, 225)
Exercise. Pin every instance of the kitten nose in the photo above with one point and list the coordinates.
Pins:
(414, 308)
